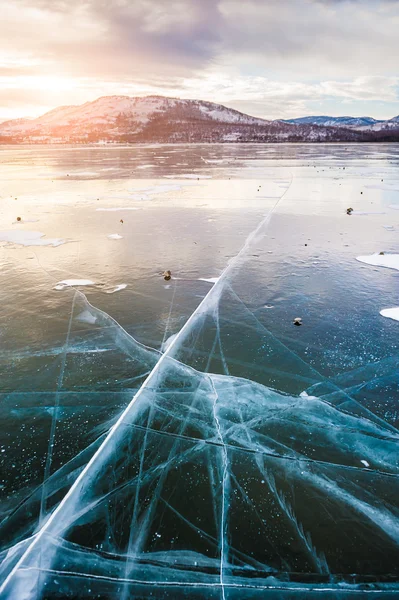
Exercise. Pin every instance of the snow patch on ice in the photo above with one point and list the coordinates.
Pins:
(306, 395)
(117, 288)
(391, 313)
(25, 221)
(391, 261)
(114, 236)
(29, 238)
(367, 212)
(365, 463)
(209, 279)
(86, 317)
(61, 285)
(394, 206)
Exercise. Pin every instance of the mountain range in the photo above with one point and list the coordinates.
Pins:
(359, 123)
(123, 119)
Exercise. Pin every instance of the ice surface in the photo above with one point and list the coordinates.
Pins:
(114, 236)
(236, 463)
(391, 313)
(28, 238)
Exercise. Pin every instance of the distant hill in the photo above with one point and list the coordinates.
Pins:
(123, 119)
(358, 123)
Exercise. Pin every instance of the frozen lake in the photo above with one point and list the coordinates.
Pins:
(184, 438)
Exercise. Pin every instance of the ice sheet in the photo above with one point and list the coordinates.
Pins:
(250, 458)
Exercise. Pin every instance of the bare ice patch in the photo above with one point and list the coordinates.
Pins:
(61, 285)
(394, 206)
(29, 238)
(381, 260)
(114, 236)
(391, 313)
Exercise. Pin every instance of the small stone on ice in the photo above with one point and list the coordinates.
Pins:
(18, 219)
(297, 321)
(167, 275)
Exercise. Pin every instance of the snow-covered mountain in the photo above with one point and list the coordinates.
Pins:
(116, 116)
(157, 119)
(358, 123)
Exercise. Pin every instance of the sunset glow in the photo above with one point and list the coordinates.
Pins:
(271, 59)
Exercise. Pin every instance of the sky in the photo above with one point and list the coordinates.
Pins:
(269, 58)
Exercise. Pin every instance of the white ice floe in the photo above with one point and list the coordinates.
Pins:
(381, 260)
(365, 463)
(209, 279)
(61, 285)
(29, 238)
(391, 313)
(114, 236)
(117, 288)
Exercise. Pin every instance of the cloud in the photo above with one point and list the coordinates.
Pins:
(262, 55)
